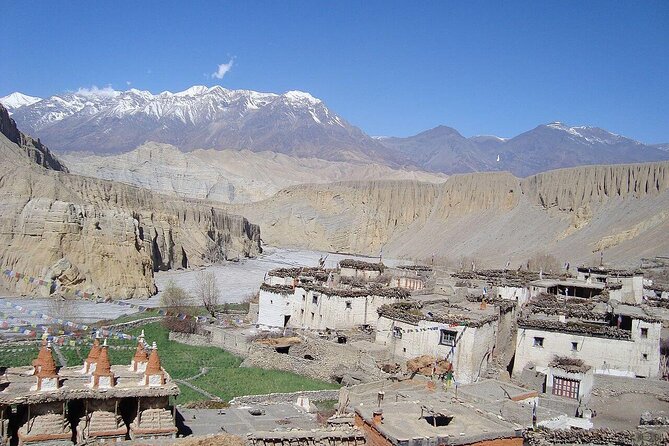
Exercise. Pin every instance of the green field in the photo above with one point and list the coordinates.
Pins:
(225, 378)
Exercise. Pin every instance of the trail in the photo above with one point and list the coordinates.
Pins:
(185, 382)
(61, 358)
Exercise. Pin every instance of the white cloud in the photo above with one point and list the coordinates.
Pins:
(223, 69)
(95, 91)
(128, 83)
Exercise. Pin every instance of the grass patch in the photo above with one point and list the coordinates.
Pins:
(23, 357)
(326, 405)
(225, 378)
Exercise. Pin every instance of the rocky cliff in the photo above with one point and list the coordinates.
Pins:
(104, 237)
(229, 176)
(33, 149)
(570, 213)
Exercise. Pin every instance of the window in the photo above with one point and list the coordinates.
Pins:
(314, 300)
(566, 387)
(538, 342)
(447, 337)
(397, 332)
(645, 356)
(644, 332)
(349, 305)
(574, 346)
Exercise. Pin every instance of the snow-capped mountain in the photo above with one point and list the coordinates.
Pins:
(549, 146)
(298, 124)
(17, 100)
(109, 121)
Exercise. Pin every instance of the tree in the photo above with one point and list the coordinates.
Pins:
(62, 308)
(207, 291)
(174, 298)
(175, 301)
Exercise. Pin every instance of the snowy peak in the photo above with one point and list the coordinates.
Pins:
(104, 120)
(195, 90)
(591, 135)
(17, 100)
(195, 105)
(301, 97)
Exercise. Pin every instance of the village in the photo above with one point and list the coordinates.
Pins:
(417, 356)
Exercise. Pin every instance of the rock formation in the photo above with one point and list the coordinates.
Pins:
(496, 217)
(100, 236)
(229, 176)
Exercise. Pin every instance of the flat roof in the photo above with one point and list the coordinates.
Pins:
(402, 423)
(76, 386)
(487, 409)
(547, 283)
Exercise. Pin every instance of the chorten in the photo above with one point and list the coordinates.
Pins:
(154, 375)
(92, 359)
(103, 377)
(139, 361)
(41, 356)
(47, 377)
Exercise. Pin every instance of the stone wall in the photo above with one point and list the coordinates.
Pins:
(290, 397)
(330, 361)
(190, 339)
(348, 437)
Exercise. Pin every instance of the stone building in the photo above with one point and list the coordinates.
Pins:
(465, 334)
(317, 307)
(610, 338)
(319, 299)
(101, 403)
(512, 285)
(628, 282)
(411, 413)
(360, 270)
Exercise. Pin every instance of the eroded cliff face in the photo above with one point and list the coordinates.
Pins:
(104, 237)
(571, 189)
(570, 213)
(34, 150)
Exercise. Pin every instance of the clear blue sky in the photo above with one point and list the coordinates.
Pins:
(391, 68)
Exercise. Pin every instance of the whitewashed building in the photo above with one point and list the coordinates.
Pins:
(360, 270)
(464, 337)
(628, 282)
(623, 340)
(317, 307)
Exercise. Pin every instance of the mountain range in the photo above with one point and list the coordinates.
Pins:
(297, 124)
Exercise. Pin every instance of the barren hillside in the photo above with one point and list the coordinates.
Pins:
(496, 217)
(229, 176)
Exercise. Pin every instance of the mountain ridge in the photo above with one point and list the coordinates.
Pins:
(110, 121)
(297, 124)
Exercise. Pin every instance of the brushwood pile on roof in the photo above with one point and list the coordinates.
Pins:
(571, 365)
(413, 312)
(505, 277)
(359, 264)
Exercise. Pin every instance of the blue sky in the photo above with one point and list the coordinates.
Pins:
(391, 68)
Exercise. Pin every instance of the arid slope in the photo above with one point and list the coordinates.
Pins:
(496, 217)
(228, 176)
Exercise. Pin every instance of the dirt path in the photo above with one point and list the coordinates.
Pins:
(185, 382)
(59, 354)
